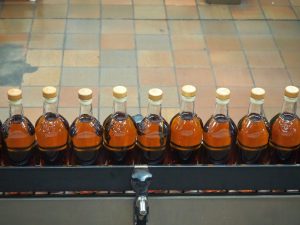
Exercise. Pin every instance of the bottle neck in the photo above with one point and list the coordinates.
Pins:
(86, 107)
(50, 105)
(154, 107)
(15, 108)
(256, 107)
(187, 105)
(289, 105)
(120, 105)
(221, 107)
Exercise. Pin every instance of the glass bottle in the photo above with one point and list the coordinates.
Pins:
(52, 132)
(253, 132)
(153, 131)
(186, 129)
(119, 130)
(220, 132)
(285, 130)
(86, 132)
(18, 133)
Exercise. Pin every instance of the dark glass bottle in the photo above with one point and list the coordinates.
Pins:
(186, 129)
(153, 132)
(120, 132)
(18, 133)
(220, 132)
(52, 132)
(285, 130)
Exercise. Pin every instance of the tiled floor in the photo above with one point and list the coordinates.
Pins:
(148, 43)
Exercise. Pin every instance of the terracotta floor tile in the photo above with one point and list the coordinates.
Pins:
(264, 59)
(84, 11)
(120, 76)
(151, 27)
(44, 76)
(205, 98)
(252, 27)
(68, 97)
(227, 76)
(270, 112)
(258, 42)
(88, 2)
(116, 2)
(239, 96)
(195, 76)
(81, 58)
(182, 27)
(218, 27)
(3, 114)
(191, 58)
(20, 39)
(17, 11)
(69, 113)
(48, 26)
(80, 77)
(274, 2)
(285, 27)
(169, 113)
(152, 42)
(156, 77)
(287, 42)
(188, 42)
(204, 113)
(279, 12)
(295, 75)
(15, 25)
(46, 41)
(32, 97)
(3, 94)
(117, 26)
(83, 26)
(117, 12)
(148, 2)
(180, 2)
(182, 12)
(237, 113)
(33, 113)
(154, 59)
(104, 112)
(44, 57)
(149, 12)
(223, 42)
(118, 58)
(291, 58)
(228, 58)
(295, 2)
(271, 77)
(117, 41)
(273, 97)
(242, 12)
(297, 11)
(51, 11)
(214, 12)
(82, 41)
(53, 2)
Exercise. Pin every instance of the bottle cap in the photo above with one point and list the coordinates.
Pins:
(14, 94)
(223, 93)
(258, 93)
(85, 94)
(291, 92)
(155, 94)
(188, 91)
(120, 92)
(49, 92)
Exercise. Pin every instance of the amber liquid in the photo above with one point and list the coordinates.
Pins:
(219, 140)
(119, 138)
(19, 141)
(285, 138)
(253, 137)
(186, 137)
(1, 144)
(52, 133)
(86, 138)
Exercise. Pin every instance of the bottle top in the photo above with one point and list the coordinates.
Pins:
(14, 94)
(291, 92)
(155, 94)
(258, 93)
(188, 91)
(49, 92)
(223, 93)
(85, 94)
(120, 92)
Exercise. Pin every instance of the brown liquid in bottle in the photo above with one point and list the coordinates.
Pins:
(186, 137)
(152, 139)
(86, 135)
(19, 140)
(285, 138)
(119, 138)
(219, 140)
(253, 137)
(52, 133)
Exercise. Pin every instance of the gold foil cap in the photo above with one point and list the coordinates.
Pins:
(258, 93)
(14, 94)
(120, 92)
(223, 93)
(155, 94)
(85, 94)
(49, 92)
(188, 91)
(291, 92)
